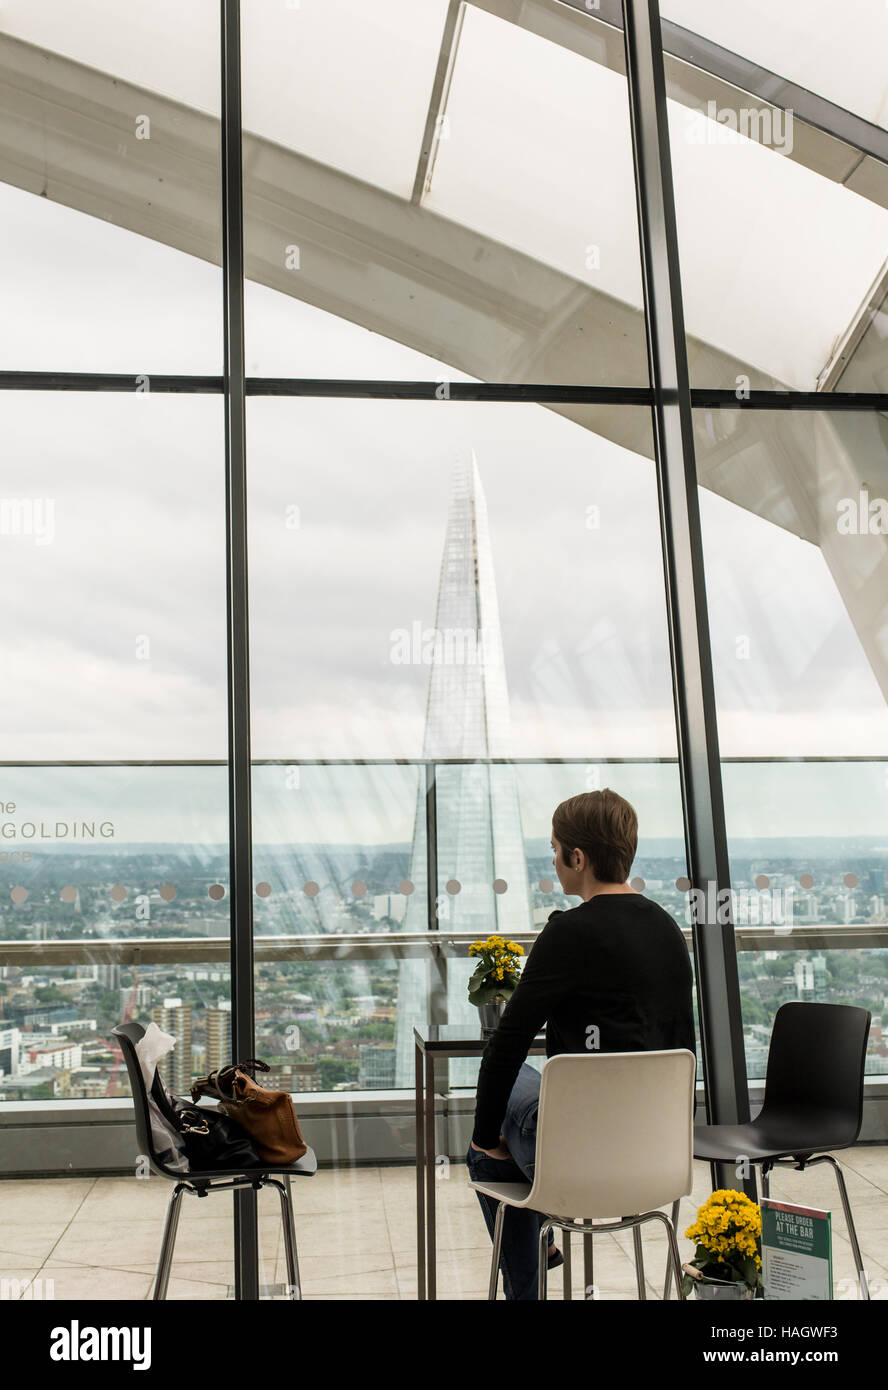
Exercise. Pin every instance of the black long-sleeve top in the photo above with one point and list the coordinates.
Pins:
(617, 963)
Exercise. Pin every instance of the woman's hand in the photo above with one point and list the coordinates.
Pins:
(500, 1151)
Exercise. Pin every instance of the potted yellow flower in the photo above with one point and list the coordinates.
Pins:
(493, 979)
(728, 1261)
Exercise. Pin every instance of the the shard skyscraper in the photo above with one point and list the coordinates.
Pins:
(480, 838)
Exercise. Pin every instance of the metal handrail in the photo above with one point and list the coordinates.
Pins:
(396, 945)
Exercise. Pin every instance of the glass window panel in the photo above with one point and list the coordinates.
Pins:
(798, 620)
(345, 83)
(112, 546)
(94, 858)
(83, 295)
(55, 1034)
(130, 41)
(836, 51)
(333, 849)
(112, 554)
(109, 191)
(330, 1025)
(560, 186)
(777, 260)
(798, 612)
(516, 259)
(407, 603)
(351, 556)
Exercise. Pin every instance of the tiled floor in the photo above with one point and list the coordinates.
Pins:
(356, 1229)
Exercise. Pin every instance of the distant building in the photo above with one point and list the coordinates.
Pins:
(803, 973)
(392, 905)
(294, 1077)
(481, 854)
(108, 976)
(45, 1018)
(57, 1055)
(86, 1084)
(135, 997)
(176, 1069)
(10, 1048)
(376, 1067)
(219, 1036)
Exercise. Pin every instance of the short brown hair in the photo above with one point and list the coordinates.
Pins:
(604, 826)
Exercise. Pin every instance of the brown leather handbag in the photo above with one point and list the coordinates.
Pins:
(268, 1117)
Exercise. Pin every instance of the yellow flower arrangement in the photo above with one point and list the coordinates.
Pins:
(728, 1233)
(496, 973)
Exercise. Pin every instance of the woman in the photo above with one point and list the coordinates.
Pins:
(612, 974)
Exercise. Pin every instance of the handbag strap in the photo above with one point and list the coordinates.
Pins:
(221, 1082)
(252, 1064)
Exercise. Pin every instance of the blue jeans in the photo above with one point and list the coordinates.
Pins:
(519, 1258)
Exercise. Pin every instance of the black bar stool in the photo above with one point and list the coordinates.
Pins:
(201, 1184)
(813, 1101)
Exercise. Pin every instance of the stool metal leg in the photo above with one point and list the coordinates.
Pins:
(639, 1262)
(543, 1258)
(497, 1247)
(292, 1228)
(849, 1219)
(289, 1235)
(673, 1251)
(568, 1277)
(668, 1284)
(171, 1225)
(588, 1259)
(674, 1257)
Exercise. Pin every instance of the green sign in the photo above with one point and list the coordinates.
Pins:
(796, 1252)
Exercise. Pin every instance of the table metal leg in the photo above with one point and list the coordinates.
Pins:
(420, 1180)
(431, 1238)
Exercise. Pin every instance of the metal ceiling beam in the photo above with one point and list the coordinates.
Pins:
(715, 955)
(433, 133)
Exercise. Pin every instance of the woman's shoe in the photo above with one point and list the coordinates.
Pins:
(555, 1257)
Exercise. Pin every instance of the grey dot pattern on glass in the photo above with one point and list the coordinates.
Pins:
(762, 881)
(807, 880)
(453, 885)
(850, 880)
(216, 891)
(637, 884)
(263, 890)
(500, 885)
(118, 892)
(167, 892)
(68, 894)
(683, 884)
(406, 887)
(311, 890)
(19, 894)
(546, 885)
(359, 888)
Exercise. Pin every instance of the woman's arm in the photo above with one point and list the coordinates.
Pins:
(545, 979)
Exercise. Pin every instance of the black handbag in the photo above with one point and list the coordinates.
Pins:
(210, 1138)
